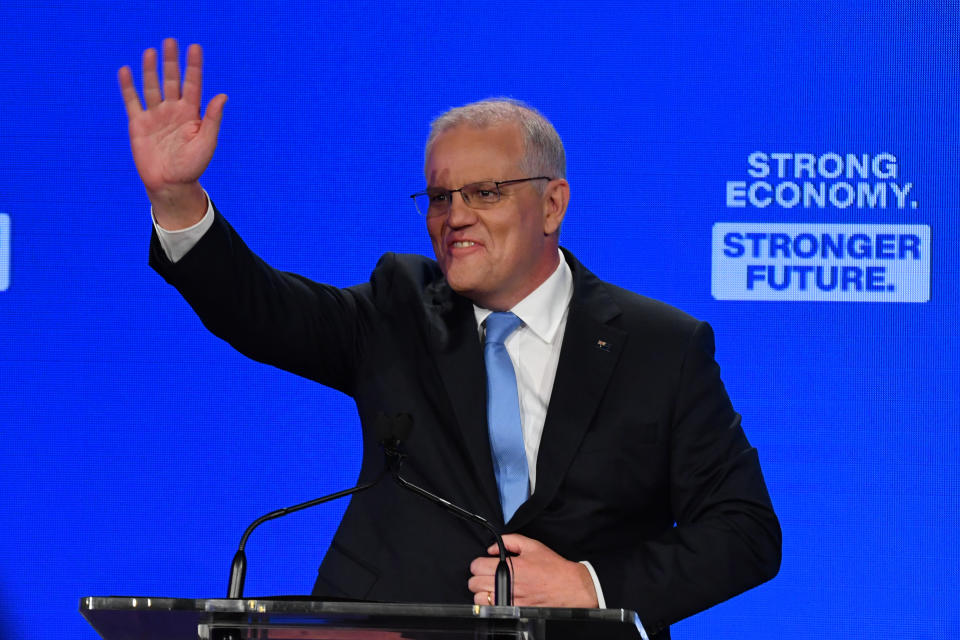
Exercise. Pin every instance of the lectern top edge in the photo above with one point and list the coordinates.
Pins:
(114, 616)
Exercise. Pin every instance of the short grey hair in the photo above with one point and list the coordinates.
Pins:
(543, 153)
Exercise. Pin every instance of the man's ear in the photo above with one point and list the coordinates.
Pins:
(555, 199)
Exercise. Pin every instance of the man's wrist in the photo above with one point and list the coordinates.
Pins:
(178, 207)
(177, 243)
(601, 603)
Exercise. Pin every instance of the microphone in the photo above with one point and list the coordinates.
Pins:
(392, 433)
(238, 569)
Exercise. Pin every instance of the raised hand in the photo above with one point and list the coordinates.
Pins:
(171, 144)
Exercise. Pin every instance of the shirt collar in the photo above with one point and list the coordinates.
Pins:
(544, 309)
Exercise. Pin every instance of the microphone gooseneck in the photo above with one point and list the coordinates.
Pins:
(238, 570)
(503, 589)
(391, 431)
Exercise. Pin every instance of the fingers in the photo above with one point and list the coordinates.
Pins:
(482, 589)
(484, 566)
(171, 70)
(192, 82)
(480, 584)
(130, 98)
(193, 77)
(151, 85)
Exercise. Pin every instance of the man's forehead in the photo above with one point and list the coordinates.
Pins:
(466, 154)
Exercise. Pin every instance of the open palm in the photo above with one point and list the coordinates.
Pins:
(171, 144)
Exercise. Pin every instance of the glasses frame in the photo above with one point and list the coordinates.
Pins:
(466, 200)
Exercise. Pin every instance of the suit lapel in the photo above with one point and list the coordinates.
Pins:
(457, 352)
(588, 356)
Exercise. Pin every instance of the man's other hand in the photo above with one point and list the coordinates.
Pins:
(541, 578)
(171, 144)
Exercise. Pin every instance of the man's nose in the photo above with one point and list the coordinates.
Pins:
(461, 214)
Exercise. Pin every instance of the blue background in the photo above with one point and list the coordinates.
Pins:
(138, 447)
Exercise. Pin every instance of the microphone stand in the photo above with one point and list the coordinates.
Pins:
(238, 570)
(392, 430)
(503, 596)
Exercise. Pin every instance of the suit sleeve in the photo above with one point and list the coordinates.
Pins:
(727, 538)
(279, 318)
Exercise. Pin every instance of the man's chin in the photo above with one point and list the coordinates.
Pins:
(464, 286)
(461, 287)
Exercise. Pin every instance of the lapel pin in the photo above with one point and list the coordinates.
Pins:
(603, 345)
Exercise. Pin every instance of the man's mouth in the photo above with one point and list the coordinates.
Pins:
(461, 244)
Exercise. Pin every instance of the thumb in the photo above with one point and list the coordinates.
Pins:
(210, 125)
(514, 543)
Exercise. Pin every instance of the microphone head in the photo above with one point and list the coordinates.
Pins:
(402, 426)
(392, 430)
(382, 427)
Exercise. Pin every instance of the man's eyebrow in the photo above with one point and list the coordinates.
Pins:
(480, 181)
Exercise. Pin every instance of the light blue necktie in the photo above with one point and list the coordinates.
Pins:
(503, 415)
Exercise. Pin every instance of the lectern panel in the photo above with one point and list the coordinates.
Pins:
(130, 618)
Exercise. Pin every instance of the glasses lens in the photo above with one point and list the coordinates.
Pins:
(481, 194)
(435, 202)
(422, 200)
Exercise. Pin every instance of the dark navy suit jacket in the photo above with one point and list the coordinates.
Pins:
(643, 467)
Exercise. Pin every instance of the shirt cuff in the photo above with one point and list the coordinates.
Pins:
(176, 244)
(601, 603)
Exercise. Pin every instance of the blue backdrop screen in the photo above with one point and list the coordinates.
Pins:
(786, 171)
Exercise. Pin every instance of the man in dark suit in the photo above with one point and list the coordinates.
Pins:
(611, 455)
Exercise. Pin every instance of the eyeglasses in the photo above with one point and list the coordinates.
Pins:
(476, 195)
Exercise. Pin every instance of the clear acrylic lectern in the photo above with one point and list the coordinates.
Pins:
(129, 618)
